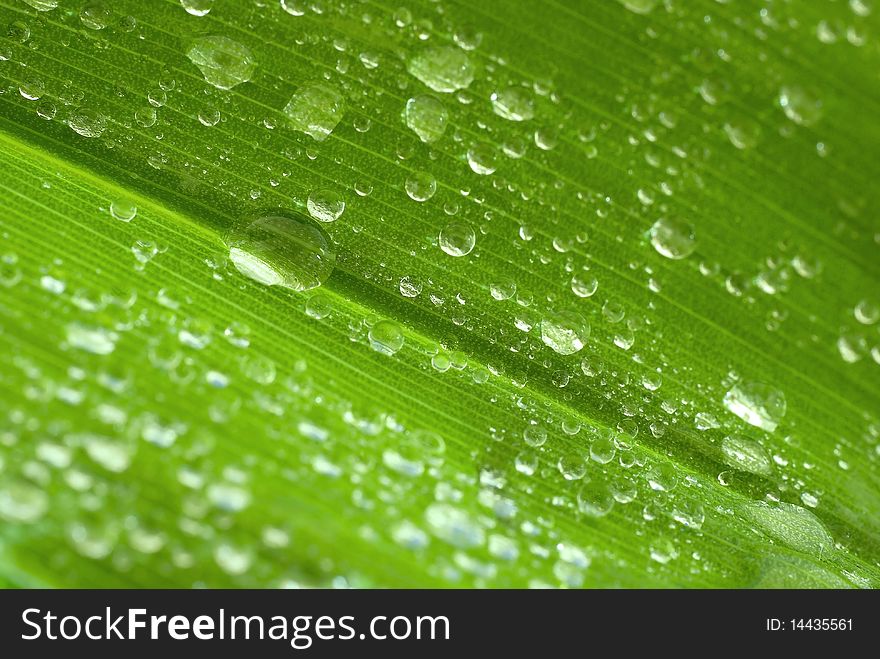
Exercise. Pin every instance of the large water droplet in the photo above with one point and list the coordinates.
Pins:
(223, 62)
(797, 527)
(565, 332)
(280, 250)
(757, 404)
(427, 117)
(673, 239)
(316, 109)
(442, 68)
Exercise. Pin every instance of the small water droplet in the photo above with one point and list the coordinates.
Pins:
(123, 210)
(673, 239)
(421, 186)
(457, 239)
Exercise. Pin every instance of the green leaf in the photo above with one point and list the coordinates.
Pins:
(439, 294)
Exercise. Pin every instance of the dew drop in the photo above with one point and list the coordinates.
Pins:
(123, 210)
(566, 332)
(457, 239)
(746, 455)
(513, 103)
(315, 109)
(454, 526)
(442, 68)
(673, 239)
(421, 186)
(282, 250)
(87, 122)
(427, 117)
(326, 205)
(197, 7)
(223, 62)
(639, 6)
(386, 337)
(482, 158)
(800, 105)
(792, 525)
(757, 404)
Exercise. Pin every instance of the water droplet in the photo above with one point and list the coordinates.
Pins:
(223, 62)
(442, 68)
(197, 7)
(123, 210)
(427, 117)
(513, 103)
(746, 454)
(96, 15)
(503, 289)
(800, 105)
(457, 239)
(96, 340)
(410, 287)
(639, 6)
(757, 404)
(454, 526)
(482, 158)
(535, 435)
(280, 250)
(209, 116)
(294, 7)
(595, 499)
(409, 536)
(22, 502)
(584, 285)
(673, 239)
(31, 90)
(325, 205)
(87, 122)
(867, 312)
(386, 337)
(112, 454)
(742, 132)
(315, 109)
(792, 525)
(421, 186)
(565, 332)
(43, 5)
(231, 559)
